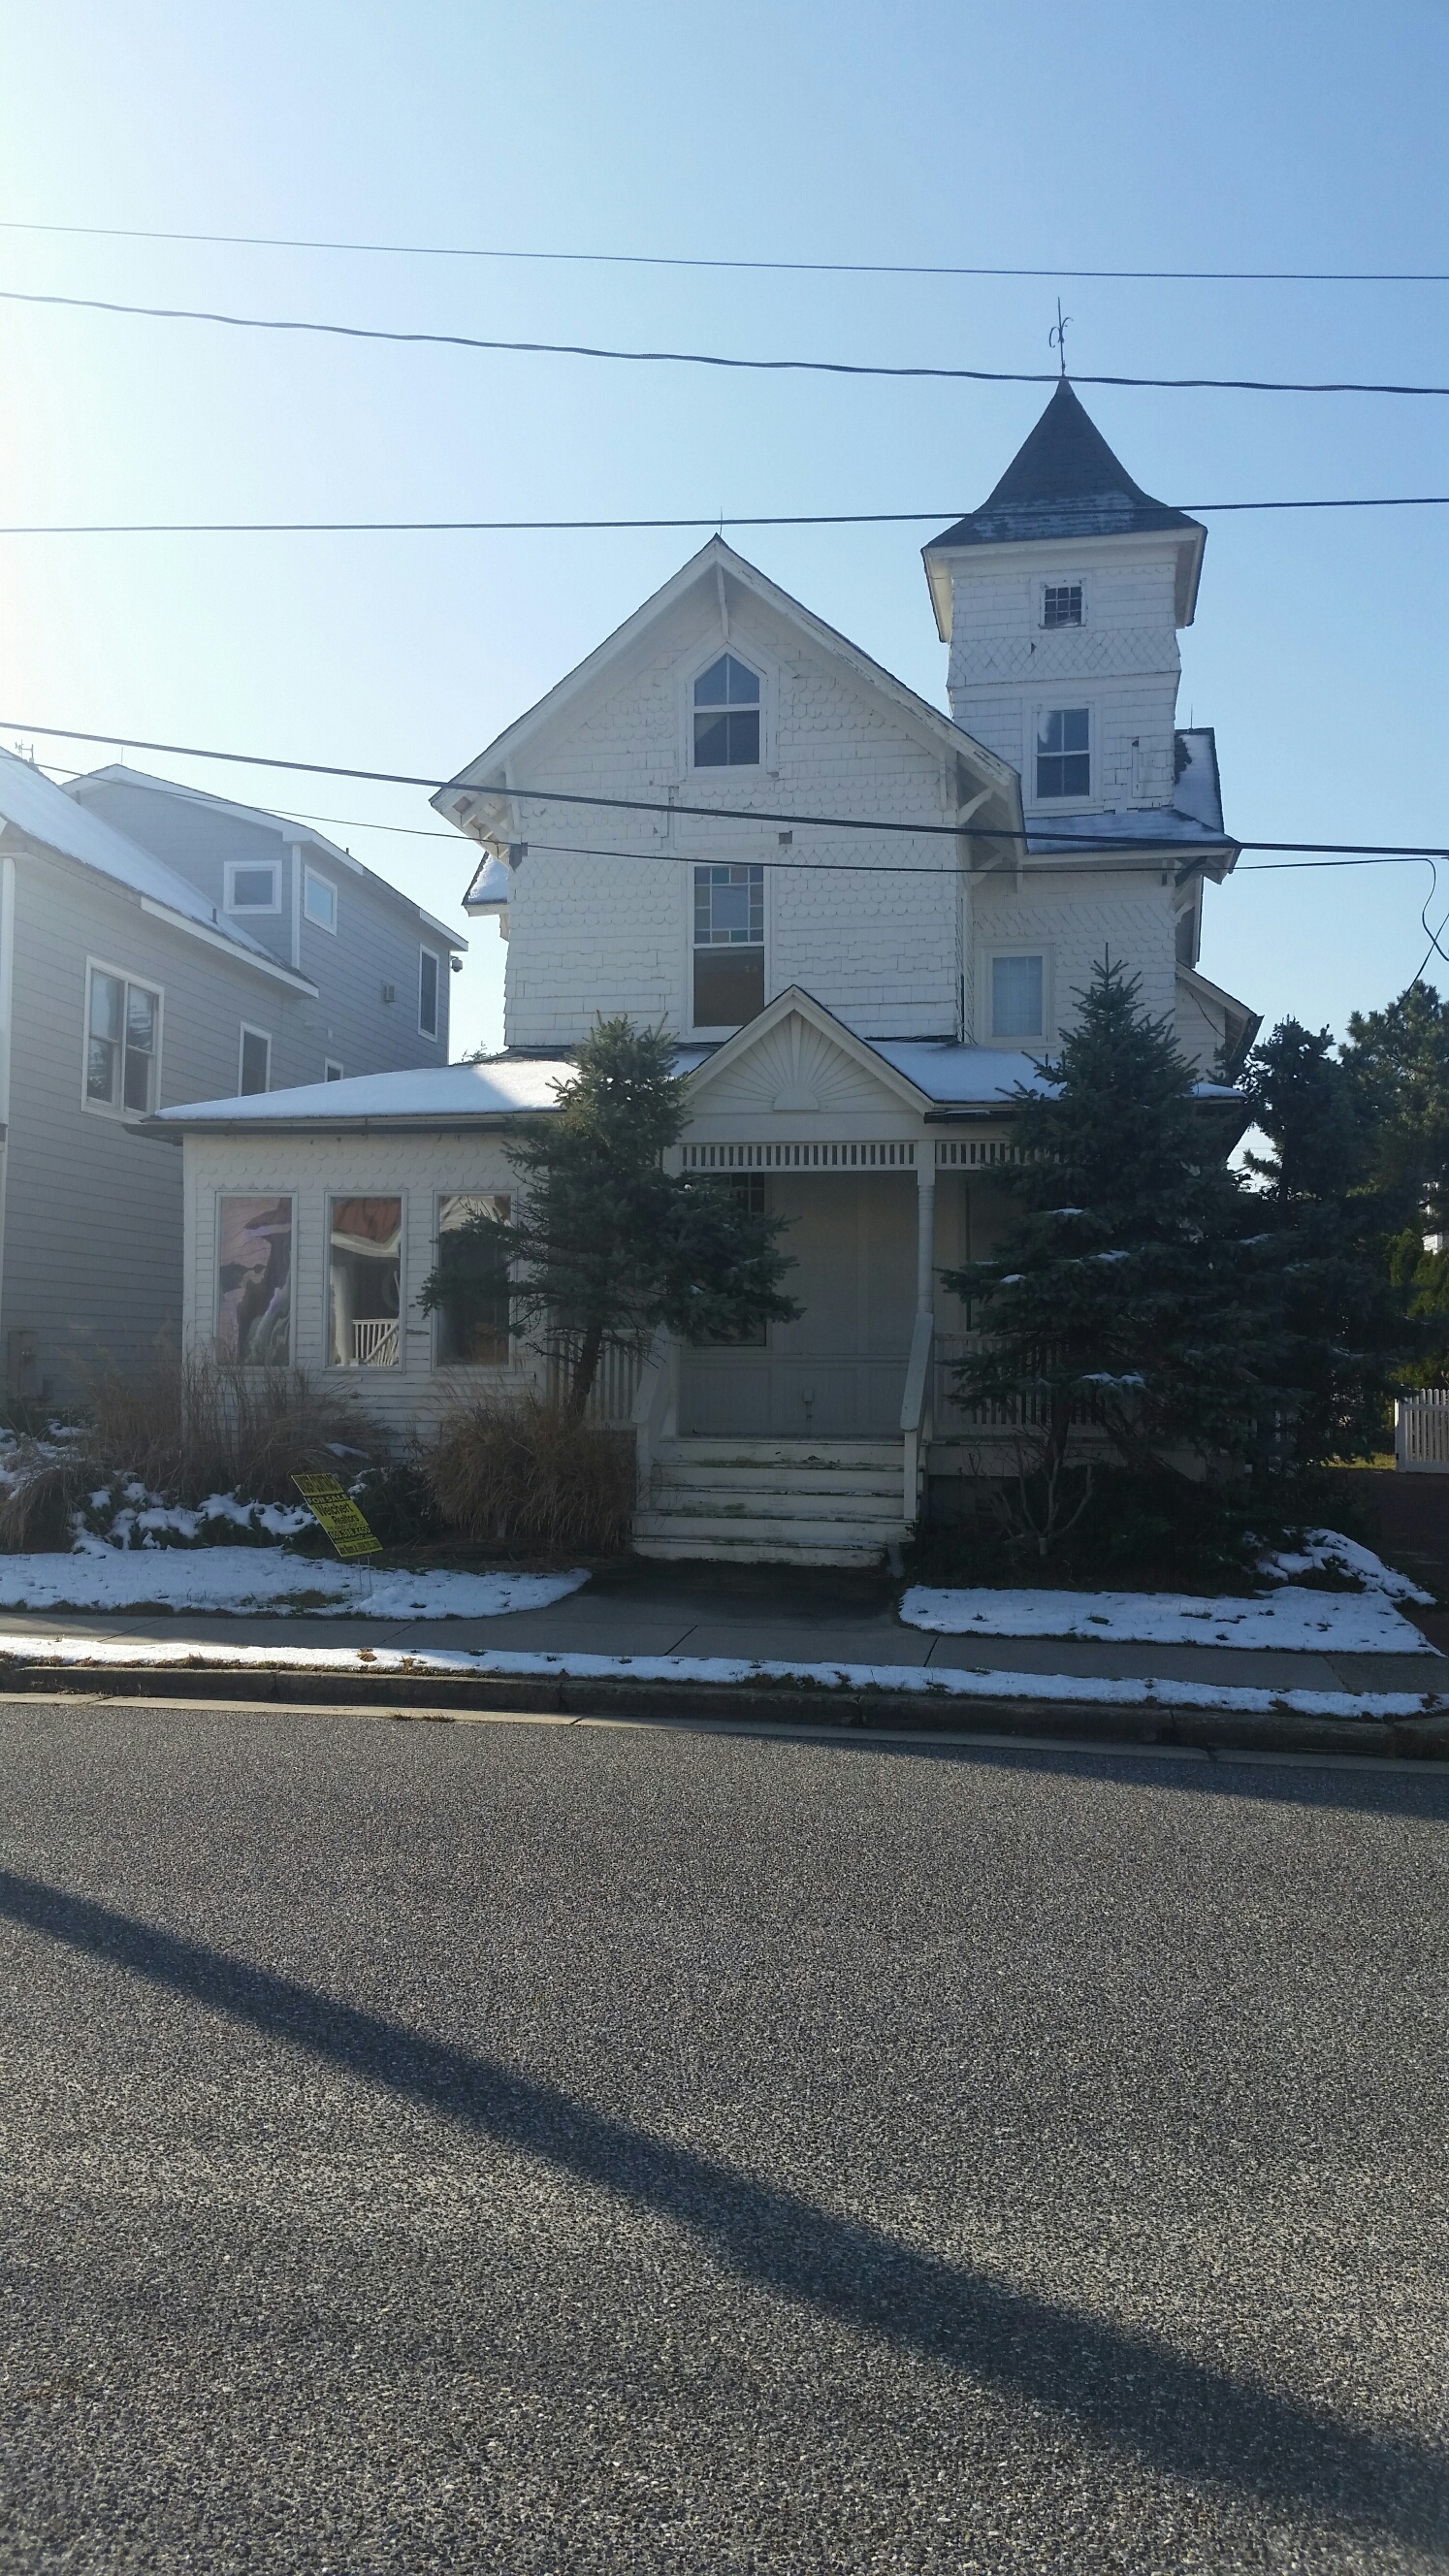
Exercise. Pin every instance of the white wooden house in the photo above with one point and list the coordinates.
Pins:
(863, 917)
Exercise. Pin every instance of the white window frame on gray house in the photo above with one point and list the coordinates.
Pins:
(115, 1106)
(1043, 716)
(728, 878)
(242, 879)
(1008, 953)
(263, 1037)
(496, 1203)
(327, 919)
(431, 956)
(331, 1068)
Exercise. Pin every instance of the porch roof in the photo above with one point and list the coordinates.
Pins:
(950, 1078)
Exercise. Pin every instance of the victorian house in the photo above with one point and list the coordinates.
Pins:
(864, 918)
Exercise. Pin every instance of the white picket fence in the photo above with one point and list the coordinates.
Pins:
(1421, 1432)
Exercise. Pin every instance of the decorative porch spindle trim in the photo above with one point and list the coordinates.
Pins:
(978, 1150)
(850, 1156)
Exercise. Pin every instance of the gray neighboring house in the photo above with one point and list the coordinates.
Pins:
(159, 946)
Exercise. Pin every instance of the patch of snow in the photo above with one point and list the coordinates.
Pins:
(1295, 1621)
(1061, 1689)
(100, 1577)
(1329, 1549)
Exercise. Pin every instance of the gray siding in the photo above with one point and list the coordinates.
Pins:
(92, 1261)
(377, 942)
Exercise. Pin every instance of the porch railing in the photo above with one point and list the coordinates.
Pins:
(611, 1397)
(374, 1341)
(1421, 1432)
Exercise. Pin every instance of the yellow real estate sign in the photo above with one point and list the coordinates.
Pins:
(329, 1503)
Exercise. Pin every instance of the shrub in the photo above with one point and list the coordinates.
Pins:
(518, 1472)
(184, 1429)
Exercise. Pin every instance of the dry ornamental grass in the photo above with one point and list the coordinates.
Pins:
(514, 1472)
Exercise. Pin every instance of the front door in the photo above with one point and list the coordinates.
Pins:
(839, 1371)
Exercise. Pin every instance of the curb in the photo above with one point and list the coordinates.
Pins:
(777, 1705)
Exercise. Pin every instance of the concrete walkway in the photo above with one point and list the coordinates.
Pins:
(764, 1612)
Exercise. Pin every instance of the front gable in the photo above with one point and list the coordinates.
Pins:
(796, 1070)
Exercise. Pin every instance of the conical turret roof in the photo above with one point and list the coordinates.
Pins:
(1064, 482)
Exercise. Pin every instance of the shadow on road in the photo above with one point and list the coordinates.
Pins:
(1179, 2415)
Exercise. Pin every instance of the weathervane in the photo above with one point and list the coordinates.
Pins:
(1057, 339)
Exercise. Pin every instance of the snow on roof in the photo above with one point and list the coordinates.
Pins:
(502, 1087)
(34, 805)
(1195, 814)
(492, 885)
(1199, 791)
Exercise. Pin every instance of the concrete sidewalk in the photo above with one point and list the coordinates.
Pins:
(767, 1613)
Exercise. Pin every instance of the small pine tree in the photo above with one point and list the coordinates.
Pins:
(604, 1244)
(1127, 1293)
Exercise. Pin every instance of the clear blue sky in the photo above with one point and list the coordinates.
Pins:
(1302, 136)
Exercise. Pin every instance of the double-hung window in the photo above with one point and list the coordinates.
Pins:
(1018, 997)
(123, 1043)
(729, 945)
(1064, 752)
(727, 716)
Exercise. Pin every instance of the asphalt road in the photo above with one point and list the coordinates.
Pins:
(545, 2149)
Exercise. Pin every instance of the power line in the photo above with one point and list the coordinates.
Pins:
(711, 813)
(591, 850)
(703, 357)
(774, 267)
(702, 519)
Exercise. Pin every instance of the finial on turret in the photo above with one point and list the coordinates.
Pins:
(1057, 339)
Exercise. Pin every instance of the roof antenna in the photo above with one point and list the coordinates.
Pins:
(1057, 339)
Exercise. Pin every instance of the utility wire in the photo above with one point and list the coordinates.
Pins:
(706, 358)
(588, 850)
(704, 519)
(774, 267)
(720, 813)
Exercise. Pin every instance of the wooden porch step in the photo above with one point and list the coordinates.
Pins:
(745, 1551)
(846, 1483)
(788, 1531)
(778, 1453)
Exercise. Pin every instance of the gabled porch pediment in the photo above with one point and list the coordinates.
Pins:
(796, 1063)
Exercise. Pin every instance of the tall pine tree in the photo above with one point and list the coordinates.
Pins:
(1129, 1295)
(604, 1244)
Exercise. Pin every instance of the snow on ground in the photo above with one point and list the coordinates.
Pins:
(1329, 1548)
(99, 1577)
(1293, 1619)
(947, 1683)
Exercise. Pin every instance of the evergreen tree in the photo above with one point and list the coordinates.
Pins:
(1343, 1321)
(1397, 1064)
(1128, 1292)
(603, 1243)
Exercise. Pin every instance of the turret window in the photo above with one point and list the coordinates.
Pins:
(1064, 752)
(727, 716)
(1062, 604)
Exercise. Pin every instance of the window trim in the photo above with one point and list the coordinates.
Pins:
(313, 876)
(735, 859)
(294, 1200)
(252, 867)
(1027, 1039)
(1061, 581)
(331, 1191)
(766, 670)
(1064, 804)
(436, 1363)
(249, 1029)
(109, 1108)
(435, 1032)
(332, 1069)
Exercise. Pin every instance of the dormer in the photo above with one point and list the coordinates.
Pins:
(1060, 599)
